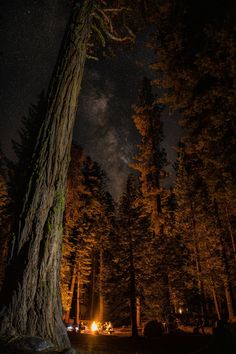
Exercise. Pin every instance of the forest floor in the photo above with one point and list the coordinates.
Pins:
(178, 343)
(122, 343)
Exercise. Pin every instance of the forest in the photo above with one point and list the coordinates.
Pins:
(68, 250)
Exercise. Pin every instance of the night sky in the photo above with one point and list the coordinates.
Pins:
(31, 34)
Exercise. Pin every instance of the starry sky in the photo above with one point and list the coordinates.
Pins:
(31, 32)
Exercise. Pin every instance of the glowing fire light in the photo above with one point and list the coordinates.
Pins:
(94, 326)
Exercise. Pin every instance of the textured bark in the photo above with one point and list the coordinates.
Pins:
(101, 297)
(138, 311)
(78, 301)
(229, 299)
(92, 286)
(214, 293)
(72, 289)
(227, 282)
(198, 265)
(232, 239)
(31, 297)
(216, 304)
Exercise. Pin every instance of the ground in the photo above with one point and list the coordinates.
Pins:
(180, 343)
(121, 342)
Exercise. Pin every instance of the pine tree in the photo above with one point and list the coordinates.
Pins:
(151, 157)
(129, 273)
(39, 236)
(88, 214)
(100, 206)
(15, 174)
(19, 170)
(44, 201)
(150, 163)
(206, 265)
(196, 73)
(72, 207)
(105, 231)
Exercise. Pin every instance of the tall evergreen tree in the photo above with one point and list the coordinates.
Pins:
(196, 223)
(15, 174)
(151, 158)
(20, 169)
(100, 205)
(39, 236)
(195, 71)
(150, 163)
(130, 260)
(87, 226)
(69, 265)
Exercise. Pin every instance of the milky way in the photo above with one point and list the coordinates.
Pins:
(31, 33)
(104, 127)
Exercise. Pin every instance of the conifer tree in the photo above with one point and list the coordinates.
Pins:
(105, 231)
(150, 163)
(15, 174)
(73, 204)
(39, 235)
(130, 260)
(151, 157)
(20, 169)
(87, 226)
(100, 206)
(206, 265)
(196, 75)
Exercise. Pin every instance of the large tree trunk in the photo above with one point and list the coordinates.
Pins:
(31, 297)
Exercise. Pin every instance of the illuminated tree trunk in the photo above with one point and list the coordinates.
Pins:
(229, 299)
(92, 286)
(31, 303)
(101, 297)
(232, 239)
(72, 288)
(198, 265)
(78, 300)
(138, 311)
(227, 283)
(214, 292)
(216, 303)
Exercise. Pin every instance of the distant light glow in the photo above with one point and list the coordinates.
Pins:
(94, 326)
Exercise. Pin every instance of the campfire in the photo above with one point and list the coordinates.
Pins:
(94, 327)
